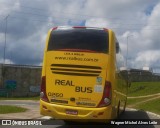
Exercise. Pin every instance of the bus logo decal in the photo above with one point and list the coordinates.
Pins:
(86, 103)
(99, 81)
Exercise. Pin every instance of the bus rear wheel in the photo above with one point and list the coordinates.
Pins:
(118, 109)
(124, 108)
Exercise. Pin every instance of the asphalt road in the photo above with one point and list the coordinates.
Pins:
(51, 123)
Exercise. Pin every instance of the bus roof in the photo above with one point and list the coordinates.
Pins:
(72, 27)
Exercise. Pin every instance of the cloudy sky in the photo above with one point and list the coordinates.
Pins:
(29, 20)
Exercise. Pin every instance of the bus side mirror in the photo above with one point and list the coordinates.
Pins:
(117, 47)
(126, 74)
(129, 83)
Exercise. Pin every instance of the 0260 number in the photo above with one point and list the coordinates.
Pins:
(55, 94)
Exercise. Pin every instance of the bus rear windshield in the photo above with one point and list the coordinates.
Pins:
(79, 40)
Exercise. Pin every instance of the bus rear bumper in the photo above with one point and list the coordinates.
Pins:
(103, 114)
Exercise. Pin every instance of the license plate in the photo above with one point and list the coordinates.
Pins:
(71, 112)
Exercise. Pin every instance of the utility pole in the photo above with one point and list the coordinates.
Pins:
(4, 57)
(127, 51)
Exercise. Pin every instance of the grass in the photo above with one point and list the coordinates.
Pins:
(152, 106)
(144, 88)
(20, 98)
(4, 109)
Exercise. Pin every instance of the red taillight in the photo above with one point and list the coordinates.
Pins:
(54, 28)
(43, 95)
(106, 98)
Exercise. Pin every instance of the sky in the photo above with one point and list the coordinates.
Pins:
(135, 22)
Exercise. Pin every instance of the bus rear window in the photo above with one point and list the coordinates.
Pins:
(79, 39)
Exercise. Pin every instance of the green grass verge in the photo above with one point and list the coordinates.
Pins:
(20, 98)
(144, 88)
(152, 106)
(4, 109)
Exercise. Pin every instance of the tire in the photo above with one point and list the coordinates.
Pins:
(68, 122)
(124, 108)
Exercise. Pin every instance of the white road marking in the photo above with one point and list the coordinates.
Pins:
(46, 117)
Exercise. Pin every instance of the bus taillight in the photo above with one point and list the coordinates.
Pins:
(54, 28)
(106, 98)
(43, 95)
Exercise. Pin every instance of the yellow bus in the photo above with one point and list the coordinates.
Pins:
(81, 77)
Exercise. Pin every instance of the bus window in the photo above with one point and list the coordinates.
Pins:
(117, 47)
(79, 39)
(119, 57)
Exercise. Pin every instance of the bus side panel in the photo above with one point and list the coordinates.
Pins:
(111, 72)
(119, 86)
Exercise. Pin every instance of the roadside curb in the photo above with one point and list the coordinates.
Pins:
(151, 113)
(46, 117)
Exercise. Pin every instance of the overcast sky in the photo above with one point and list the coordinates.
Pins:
(28, 22)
